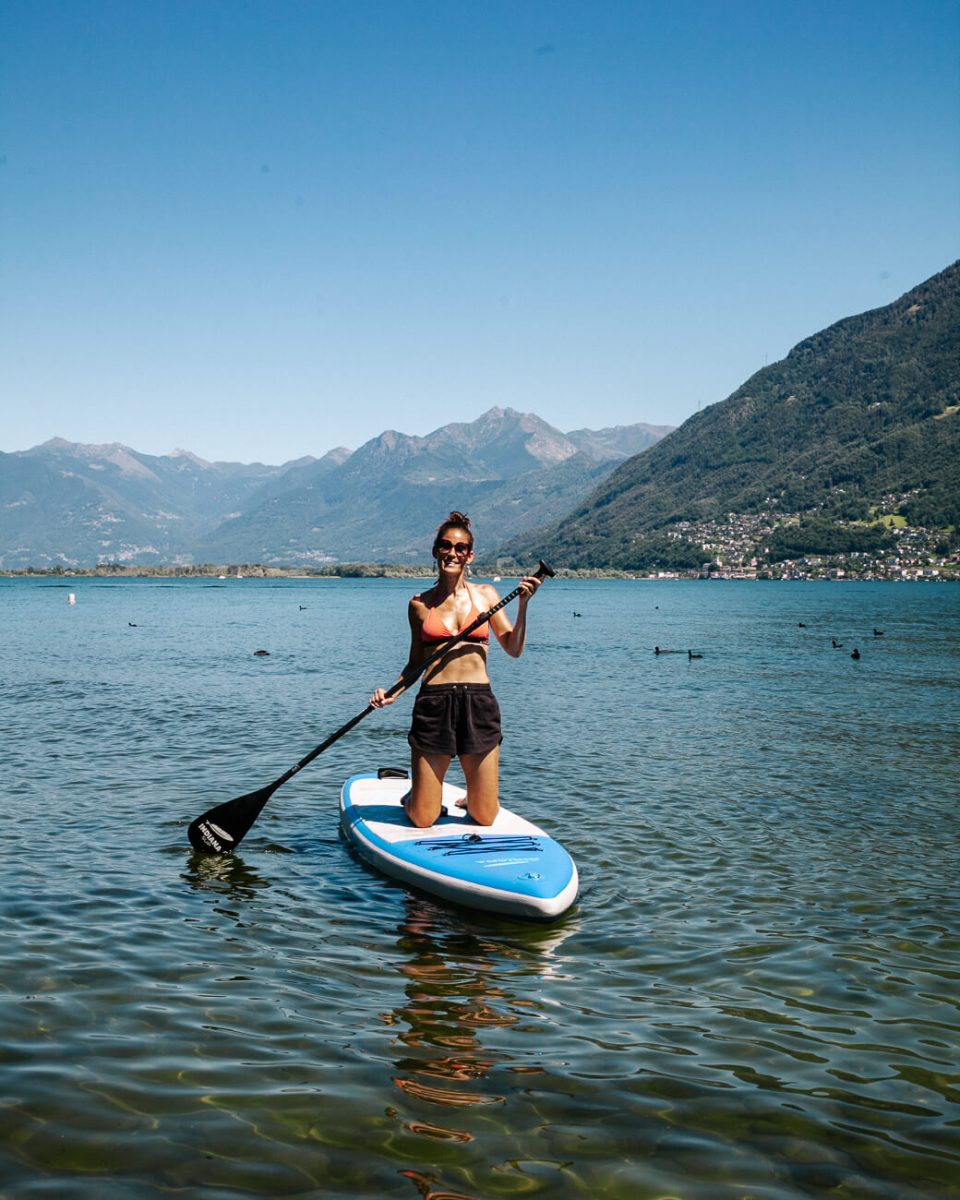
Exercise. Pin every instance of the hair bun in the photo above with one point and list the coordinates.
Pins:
(458, 518)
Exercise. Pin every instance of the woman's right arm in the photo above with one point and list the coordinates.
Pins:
(380, 699)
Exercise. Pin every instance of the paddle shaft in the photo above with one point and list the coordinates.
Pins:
(542, 572)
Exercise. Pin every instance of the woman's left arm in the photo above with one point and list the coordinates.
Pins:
(513, 636)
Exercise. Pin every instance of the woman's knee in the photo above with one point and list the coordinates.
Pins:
(484, 814)
(421, 821)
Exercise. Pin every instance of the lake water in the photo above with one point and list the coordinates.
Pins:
(756, 996)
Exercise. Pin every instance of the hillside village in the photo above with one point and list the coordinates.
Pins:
(735, 548)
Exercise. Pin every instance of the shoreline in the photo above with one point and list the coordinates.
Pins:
(398, 571)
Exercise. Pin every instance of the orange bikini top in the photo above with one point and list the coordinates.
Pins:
(434, 629)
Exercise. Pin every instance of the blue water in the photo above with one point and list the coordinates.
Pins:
(756, 997)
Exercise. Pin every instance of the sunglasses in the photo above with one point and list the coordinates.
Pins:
(460, 548)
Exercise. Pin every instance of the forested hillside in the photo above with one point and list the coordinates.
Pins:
(854, 433)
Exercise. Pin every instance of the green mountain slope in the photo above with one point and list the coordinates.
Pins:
(858, 419)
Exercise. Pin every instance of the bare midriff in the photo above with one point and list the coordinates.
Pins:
(464, 662)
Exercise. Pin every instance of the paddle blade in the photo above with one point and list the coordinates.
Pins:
(221, 829)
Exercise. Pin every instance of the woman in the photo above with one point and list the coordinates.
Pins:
(456, 712)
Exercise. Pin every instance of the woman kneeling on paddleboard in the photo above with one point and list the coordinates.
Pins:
(456, 713)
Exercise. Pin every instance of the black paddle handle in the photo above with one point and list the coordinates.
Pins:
(544, 571)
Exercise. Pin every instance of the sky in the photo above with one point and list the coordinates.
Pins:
(260, 230)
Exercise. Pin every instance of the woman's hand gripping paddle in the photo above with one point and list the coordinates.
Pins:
(220, 829)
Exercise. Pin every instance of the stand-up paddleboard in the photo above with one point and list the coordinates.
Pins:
(510, 867)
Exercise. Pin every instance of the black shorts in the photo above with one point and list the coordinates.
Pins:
(455, 718)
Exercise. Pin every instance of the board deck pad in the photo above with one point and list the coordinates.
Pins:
(511, 867)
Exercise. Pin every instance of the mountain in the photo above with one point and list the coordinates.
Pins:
(74, 505)
(620, 441)
(508, 470)
(859, 421)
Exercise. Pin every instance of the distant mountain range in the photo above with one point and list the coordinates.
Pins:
(858, 424)
(80, 505)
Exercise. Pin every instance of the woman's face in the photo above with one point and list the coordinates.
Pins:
(453, 549)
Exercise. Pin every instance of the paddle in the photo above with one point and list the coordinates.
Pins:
(220, 829)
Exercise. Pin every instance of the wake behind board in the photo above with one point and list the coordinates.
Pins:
(510, 867)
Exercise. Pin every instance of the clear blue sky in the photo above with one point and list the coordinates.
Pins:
(258, 230)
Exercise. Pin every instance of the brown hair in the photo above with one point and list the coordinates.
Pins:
(455, 520)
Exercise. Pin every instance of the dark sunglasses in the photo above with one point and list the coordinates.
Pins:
(457, 547)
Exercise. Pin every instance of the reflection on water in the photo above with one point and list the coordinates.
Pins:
(446, 1004)
(226, 875)
(457, 989)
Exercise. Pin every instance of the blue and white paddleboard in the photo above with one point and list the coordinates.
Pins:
(510, 867)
